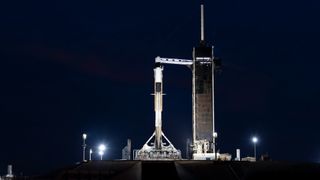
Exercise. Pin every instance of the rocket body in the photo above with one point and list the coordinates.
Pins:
(158, 93)
(158, 146)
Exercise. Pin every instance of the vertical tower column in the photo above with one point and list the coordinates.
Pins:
(203, 100)
(214, 133)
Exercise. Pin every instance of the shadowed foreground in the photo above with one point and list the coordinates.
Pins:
(227, 170)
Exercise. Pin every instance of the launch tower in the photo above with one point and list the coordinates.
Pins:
(203, 67)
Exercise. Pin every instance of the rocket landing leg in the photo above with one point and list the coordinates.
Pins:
(150, 152)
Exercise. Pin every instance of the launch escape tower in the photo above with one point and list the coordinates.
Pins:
(203, 67)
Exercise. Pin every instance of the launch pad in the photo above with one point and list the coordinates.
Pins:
(203, 67)
(150, 152)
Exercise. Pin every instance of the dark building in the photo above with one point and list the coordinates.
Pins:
(203, 117)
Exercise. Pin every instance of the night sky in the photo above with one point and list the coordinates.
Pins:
(71, 67)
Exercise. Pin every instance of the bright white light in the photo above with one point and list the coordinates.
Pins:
(215, 135)
(101, 153)
(102, 147)
(84, 136)
(254, 139)
(90, 151)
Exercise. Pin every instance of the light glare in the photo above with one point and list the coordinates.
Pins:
(101, 153)
(102, 147)
(84, 136)
(254, 139)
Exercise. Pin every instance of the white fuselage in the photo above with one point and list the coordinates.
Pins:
(158, 93)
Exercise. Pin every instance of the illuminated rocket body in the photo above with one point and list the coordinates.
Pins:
(158, 104)
(160, 148)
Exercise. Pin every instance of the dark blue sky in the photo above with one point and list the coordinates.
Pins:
(73, 67)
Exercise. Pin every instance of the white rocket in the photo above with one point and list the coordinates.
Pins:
(161, 148)
(158, 93)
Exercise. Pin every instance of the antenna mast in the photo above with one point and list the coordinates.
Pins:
(202, 22)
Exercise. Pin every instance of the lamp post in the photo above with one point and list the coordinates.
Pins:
(101, 148)
(215, 135)
(255, 141)
(84, 137)
(101, 154)
(90, 154)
